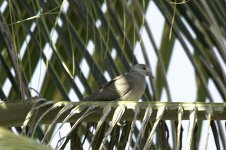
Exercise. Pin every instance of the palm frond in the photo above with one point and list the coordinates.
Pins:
(64, 50)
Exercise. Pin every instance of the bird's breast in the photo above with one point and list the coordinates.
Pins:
(138, 88)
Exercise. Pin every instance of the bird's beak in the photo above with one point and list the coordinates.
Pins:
(149, 73)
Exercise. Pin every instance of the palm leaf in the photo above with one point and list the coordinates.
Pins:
(70, 48)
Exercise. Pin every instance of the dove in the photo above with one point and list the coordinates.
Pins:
(130, 86)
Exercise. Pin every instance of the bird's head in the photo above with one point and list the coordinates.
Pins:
(142, 69)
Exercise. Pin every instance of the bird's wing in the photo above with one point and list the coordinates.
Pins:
(113, 89)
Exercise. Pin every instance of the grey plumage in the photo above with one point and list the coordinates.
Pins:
(129, 86)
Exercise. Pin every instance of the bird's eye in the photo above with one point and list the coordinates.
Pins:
(144, 68)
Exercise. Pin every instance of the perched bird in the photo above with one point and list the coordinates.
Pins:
(130, 86)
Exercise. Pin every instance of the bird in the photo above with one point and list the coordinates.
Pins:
(127, 87)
